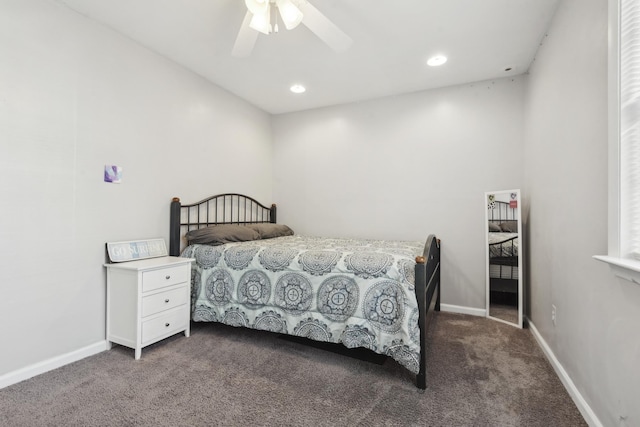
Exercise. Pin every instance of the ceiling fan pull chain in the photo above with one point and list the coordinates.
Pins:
(275, 19)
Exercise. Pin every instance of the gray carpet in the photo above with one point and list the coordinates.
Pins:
(480, 373)
(508, 313)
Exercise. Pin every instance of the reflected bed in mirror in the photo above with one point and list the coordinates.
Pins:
(504, 256)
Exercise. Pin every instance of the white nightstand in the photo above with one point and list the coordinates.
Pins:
(147, 300)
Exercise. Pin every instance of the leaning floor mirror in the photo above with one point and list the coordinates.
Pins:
(503, 230)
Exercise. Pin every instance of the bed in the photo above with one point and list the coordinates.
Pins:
(503, 248)
(252, 272)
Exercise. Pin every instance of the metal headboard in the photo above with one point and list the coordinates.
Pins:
(502, 211)
(227, 208)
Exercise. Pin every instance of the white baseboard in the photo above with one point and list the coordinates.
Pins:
(463, 310)
(584, 408)
(51, 364)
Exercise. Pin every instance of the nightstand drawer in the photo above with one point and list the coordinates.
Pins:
(167, 324)
(156, 303)
(155, 279)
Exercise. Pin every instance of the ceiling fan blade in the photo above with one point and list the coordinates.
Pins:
(322, 27)
(246, 39)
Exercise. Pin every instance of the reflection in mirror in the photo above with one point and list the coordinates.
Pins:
(504, 256)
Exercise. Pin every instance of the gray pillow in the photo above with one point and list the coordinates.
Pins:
(220, 234)
(494, 228)
(509, 226)
(268, 230)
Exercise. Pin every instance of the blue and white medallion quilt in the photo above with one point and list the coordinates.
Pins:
(359, 293)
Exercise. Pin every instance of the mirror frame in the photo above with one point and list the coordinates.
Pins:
(520, 258)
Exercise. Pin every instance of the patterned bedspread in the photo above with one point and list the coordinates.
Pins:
(356, 292)
(508, 249)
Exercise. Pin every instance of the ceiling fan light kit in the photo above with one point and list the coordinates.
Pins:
(261, 9)
(292, 13)
(262, 22)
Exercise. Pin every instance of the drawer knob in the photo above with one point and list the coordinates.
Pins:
(167, 277)
(166, 301)
(167, 325)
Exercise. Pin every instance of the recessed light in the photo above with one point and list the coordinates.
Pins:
(297, 89)
(435, 61)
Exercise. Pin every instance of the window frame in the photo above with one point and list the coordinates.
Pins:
(626, 268)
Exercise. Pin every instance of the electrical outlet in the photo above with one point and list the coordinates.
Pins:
(553, 314)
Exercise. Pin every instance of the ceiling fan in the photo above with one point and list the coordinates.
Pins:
(262, 17)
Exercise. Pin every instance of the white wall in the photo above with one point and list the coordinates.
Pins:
(75, 96)
(405, 167)
(596, 333)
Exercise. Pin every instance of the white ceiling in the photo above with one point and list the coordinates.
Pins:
(392, 39)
